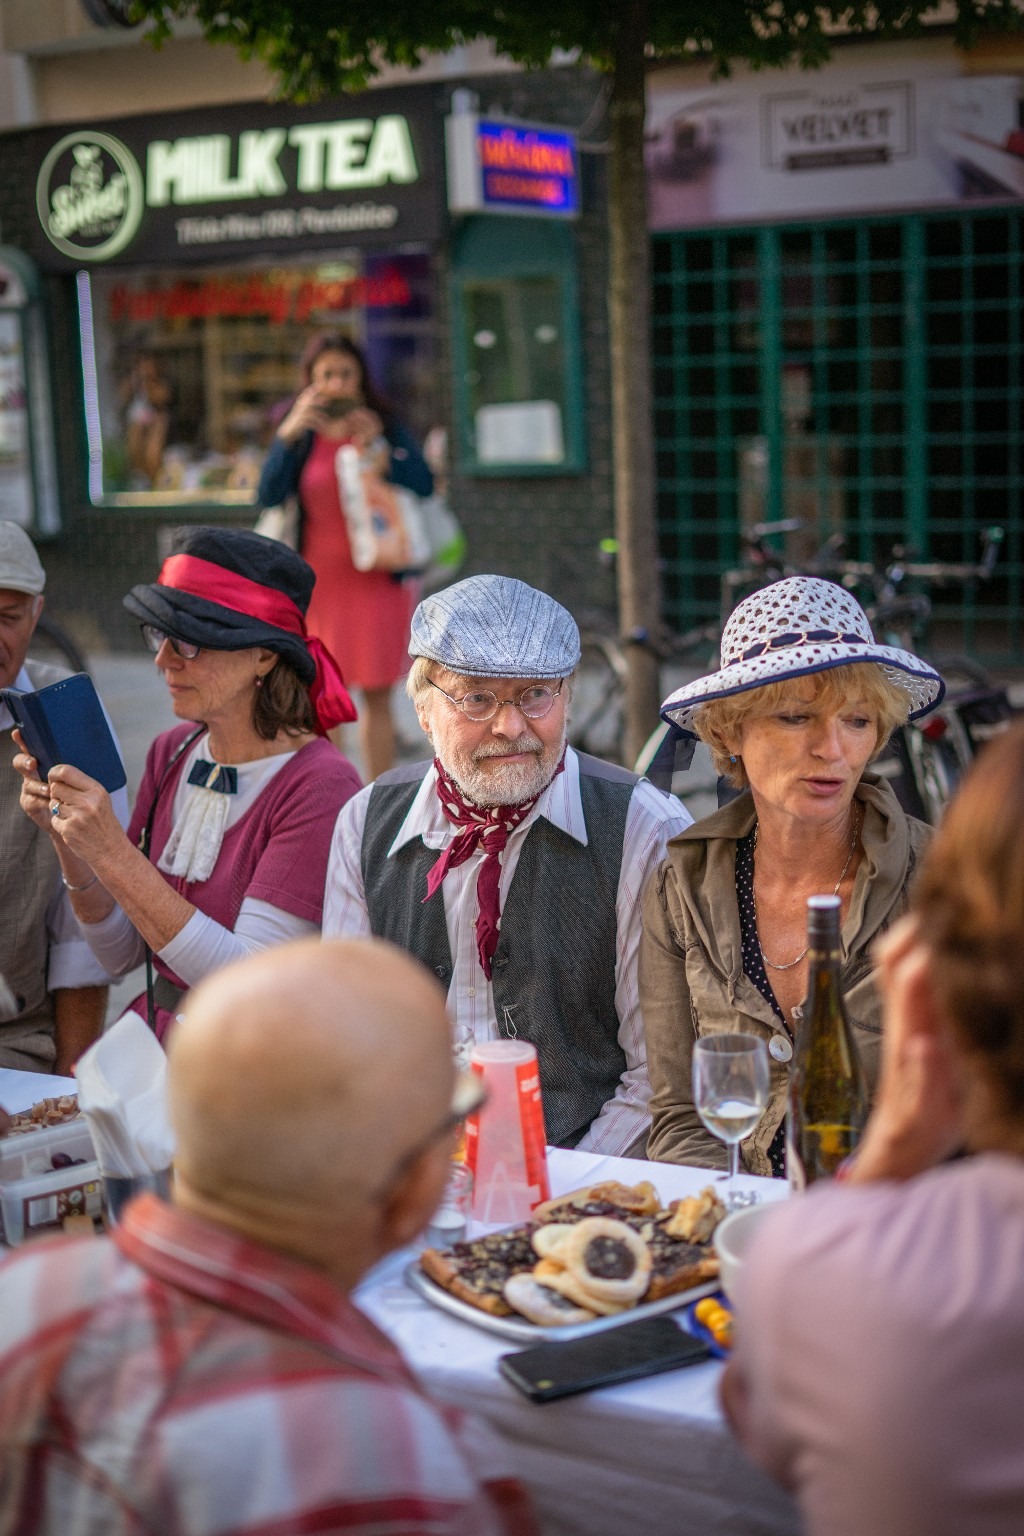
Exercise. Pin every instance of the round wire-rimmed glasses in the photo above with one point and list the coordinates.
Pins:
(534, 702)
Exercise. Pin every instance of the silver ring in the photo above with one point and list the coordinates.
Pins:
(55, 809)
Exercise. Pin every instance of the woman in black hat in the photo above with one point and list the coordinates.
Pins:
(227, 850)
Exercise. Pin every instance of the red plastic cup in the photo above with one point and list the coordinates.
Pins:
(505, 1146)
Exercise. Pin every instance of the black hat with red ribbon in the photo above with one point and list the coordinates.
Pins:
(226, 589)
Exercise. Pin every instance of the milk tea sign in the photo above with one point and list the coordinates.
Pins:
(90, 196)
(239, 179)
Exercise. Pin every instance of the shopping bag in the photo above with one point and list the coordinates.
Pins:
(385, 528)
(445, 541)
(280, 522)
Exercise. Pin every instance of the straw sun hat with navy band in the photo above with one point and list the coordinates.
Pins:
(226, 589)
(794, 628)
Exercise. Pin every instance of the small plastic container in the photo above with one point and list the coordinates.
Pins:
(35, 1197)
(505, 1146)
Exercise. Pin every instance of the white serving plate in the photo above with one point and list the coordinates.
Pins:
(524, 1332)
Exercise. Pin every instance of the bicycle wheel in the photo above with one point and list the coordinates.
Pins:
(938, 763)
(52, 643)
(597, 722)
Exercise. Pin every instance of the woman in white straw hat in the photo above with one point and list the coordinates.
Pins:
(804, 700)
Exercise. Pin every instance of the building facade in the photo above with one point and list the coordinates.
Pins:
(837, 335)
(167, 267)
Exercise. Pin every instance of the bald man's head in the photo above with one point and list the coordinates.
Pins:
(302, 1079)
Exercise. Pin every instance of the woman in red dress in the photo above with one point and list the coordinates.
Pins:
(361, 616)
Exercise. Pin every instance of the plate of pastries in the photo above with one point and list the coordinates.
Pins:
(584, 1262)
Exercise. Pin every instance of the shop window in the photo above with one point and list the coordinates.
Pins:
(187, 373)
(28, 466)
(516, 346)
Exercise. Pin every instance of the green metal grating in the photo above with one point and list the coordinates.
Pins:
(867, 376)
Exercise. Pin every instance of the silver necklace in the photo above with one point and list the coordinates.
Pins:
(849, 859)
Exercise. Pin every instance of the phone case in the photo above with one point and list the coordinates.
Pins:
(64, 723)
(638, 1349)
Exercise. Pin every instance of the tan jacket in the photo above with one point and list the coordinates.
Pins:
(691, 965)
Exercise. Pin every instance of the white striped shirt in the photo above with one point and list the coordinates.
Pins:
(651, 820)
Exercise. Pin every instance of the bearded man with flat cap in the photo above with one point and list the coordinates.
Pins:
(510, 864)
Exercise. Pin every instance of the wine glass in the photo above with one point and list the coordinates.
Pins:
(730, 1091)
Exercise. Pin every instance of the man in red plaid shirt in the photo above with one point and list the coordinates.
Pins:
(205, 1373)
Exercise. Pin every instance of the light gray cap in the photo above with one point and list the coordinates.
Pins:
(20, 570)
(495, 626)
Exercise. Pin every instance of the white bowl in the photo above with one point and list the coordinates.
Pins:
(733, 1238)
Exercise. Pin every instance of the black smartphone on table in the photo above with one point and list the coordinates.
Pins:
(560, 1369)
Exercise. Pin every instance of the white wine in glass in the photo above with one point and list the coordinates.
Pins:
(730, 1090)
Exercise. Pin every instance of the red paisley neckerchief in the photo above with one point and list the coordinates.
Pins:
(486, 825)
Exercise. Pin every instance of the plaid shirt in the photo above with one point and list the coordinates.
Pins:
(182, 1381)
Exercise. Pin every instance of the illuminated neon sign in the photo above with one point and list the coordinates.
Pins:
(528, 168)
(501, 167)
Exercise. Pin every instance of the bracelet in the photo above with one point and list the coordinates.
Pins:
(69, 887)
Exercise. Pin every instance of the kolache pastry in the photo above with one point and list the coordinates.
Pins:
(537, 1301)
(607, 1259)
(594, 1252)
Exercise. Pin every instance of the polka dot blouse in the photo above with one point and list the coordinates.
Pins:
(754, 967)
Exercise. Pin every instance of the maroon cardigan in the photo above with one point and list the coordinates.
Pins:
(276, 853)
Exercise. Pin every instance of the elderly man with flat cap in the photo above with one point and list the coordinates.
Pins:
(510, 864)
(205, 1369)
(53, 993)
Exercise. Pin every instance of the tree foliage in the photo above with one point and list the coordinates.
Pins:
(318, 47)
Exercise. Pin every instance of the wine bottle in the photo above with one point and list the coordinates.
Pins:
(828, 1102)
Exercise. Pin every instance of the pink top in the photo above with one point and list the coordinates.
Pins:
(880, 1354)
(277, 852)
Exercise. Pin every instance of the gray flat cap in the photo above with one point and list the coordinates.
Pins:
(494, 626)
(20, 570)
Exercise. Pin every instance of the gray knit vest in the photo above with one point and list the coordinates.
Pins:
(554, 967)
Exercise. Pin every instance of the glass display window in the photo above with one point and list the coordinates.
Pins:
(28, 465)
(187, 373)
(518, 369)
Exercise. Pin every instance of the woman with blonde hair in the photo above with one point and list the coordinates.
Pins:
(805, 699)
(879, 1370)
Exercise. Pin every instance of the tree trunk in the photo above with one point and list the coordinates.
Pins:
(632, 419)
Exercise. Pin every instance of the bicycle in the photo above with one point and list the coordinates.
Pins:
(597, 718)
(52, 643)
(597, 713)
(926, 759)
(939, 749)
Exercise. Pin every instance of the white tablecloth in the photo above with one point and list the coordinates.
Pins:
(652, 1457)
